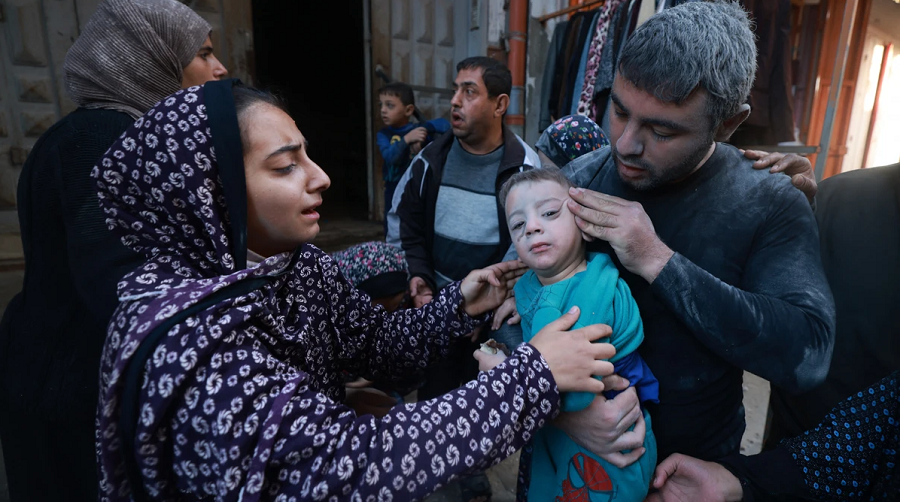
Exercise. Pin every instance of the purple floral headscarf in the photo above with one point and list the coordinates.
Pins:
(241, 400)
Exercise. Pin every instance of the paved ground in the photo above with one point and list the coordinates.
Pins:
(336, 235)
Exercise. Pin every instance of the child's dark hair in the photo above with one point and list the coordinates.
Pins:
(533, 176)
(399, 90)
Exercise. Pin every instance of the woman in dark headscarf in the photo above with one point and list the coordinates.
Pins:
(221, 378)
(131, 54)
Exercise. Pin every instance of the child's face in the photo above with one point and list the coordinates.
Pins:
(542, 228)
(393, 113)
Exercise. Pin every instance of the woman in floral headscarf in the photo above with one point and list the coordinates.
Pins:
(221, 376)
(569, 138)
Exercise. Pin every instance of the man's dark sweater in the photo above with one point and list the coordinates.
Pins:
(745, 290)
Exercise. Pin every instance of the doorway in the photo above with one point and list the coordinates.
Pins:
(322, 78)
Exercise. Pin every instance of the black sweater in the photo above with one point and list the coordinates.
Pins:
(745, 290)
(859, 226)
(52, 332)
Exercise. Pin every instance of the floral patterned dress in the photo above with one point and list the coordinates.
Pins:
(242, 400)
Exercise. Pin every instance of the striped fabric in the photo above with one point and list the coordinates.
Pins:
(466, 225)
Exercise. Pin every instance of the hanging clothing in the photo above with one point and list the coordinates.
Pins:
(562, 64)
(771, 119)
(546, 118)
(579, 76)
(608, 66)
(584, 34)
(132, 53)
(606, 13)
(244, 396)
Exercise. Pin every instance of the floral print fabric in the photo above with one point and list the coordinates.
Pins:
(242, 400)
(569, 138)
(598, 39)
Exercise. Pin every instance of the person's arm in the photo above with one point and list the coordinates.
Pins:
(680, 478)
(392, 153)
(378, 345)
(407, 225)
(438, 126)
(416, 447)
(324, 449)
(852, 455)
(770, 475)
(794, 166)
(778, 322)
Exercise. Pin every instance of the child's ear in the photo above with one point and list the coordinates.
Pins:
(409, 110)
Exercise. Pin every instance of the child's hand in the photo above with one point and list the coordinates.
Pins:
(417, 135)
(419, 292)
(415, 148)
(487, 362)
(503, 311)
(485, 289)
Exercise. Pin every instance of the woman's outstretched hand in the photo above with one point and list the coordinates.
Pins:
(487, 288)
(572, 358)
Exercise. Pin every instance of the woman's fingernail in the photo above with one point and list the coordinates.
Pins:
(573, 310)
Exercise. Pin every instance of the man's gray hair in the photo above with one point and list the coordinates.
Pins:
(553, 174)
(707, 44)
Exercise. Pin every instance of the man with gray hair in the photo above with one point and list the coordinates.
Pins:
(723, 260)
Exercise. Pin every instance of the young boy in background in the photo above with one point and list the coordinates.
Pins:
(563, 275)
(400, 140)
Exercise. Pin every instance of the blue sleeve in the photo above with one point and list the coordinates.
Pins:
(438, 126)
(635, 369)
(391, 153)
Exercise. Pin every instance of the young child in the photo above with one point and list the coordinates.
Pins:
(563, 275)
(400, 140)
